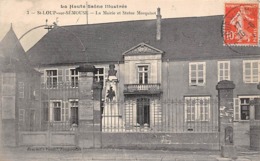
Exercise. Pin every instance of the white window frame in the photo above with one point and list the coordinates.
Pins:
(74, 84)
(197, 110)
(98, 75)
(143, 73)
(197, 83)
(250, 78)
(237, 106)
(46, 77)
(223, 70)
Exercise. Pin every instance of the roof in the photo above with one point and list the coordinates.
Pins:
(182, 39)
(12, 54)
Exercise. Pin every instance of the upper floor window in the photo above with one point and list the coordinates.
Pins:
(197, 73)
(197, 109)
(8, 78)
(21, 115)
(52, 78)
(142, 74)
(223, 70)
(100, 75)
(74, 77)
(21, 89)
(251, 71)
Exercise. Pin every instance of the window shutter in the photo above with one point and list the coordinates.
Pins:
(190, 73)
(67, 75)
(42, 76)
(106, 72)
(236, 106)
(51, 111)
(65, 111)
(59, 75)
(204, 73)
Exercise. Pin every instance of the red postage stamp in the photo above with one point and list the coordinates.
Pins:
(241, 24)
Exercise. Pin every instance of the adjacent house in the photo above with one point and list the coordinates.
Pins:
(19, 90)
(167, 72)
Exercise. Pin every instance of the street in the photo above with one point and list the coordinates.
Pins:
(22, 154)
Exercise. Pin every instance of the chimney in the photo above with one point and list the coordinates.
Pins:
(158, 24)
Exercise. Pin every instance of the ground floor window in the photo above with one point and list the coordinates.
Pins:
(143, 111)
(197, 109)
(57, 111)
(243, 106)
(74, 112)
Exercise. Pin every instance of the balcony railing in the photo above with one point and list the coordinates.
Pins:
(142, 88)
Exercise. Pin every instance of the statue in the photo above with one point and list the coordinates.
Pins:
(112, 71)
(111, 93)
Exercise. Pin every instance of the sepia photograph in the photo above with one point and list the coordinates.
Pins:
(125, 80)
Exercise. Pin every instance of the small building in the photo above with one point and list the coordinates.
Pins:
(19, 91)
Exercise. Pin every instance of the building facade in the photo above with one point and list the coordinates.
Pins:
(167, 71)
(19, 91)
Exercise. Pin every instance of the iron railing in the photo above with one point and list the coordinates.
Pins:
(151, 88)
(148, 115)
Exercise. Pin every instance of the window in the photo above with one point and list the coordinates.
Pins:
(56, 111)
(21, 115)
(8, 78)
(20, 90)
(197, 109)
(143, 111)
(143, 74)
(251, 71)
(223, 70)
(52, 78)
(197, 73)
(242, 107)
(74, 76)
(74, 104)
(99, 75)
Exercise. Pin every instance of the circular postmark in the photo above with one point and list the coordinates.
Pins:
(240, 25)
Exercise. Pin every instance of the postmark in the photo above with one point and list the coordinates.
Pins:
(241, 24)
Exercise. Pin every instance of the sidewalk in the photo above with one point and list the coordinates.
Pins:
(21, 154)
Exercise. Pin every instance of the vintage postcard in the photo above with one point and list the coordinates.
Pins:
(129, 80)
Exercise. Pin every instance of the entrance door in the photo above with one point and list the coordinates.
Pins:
(143, 111)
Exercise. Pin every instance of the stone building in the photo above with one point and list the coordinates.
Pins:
(167, 71)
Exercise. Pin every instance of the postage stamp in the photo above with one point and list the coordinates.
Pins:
(241, 24)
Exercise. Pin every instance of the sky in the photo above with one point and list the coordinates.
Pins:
(27, 14)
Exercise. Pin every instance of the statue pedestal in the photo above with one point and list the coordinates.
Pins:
(111, 117)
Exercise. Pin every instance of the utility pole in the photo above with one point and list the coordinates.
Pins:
(86, 12)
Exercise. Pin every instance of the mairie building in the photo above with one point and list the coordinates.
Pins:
(165, 73)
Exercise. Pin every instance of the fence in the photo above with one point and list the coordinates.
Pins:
(191, 114)
(59, 112)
